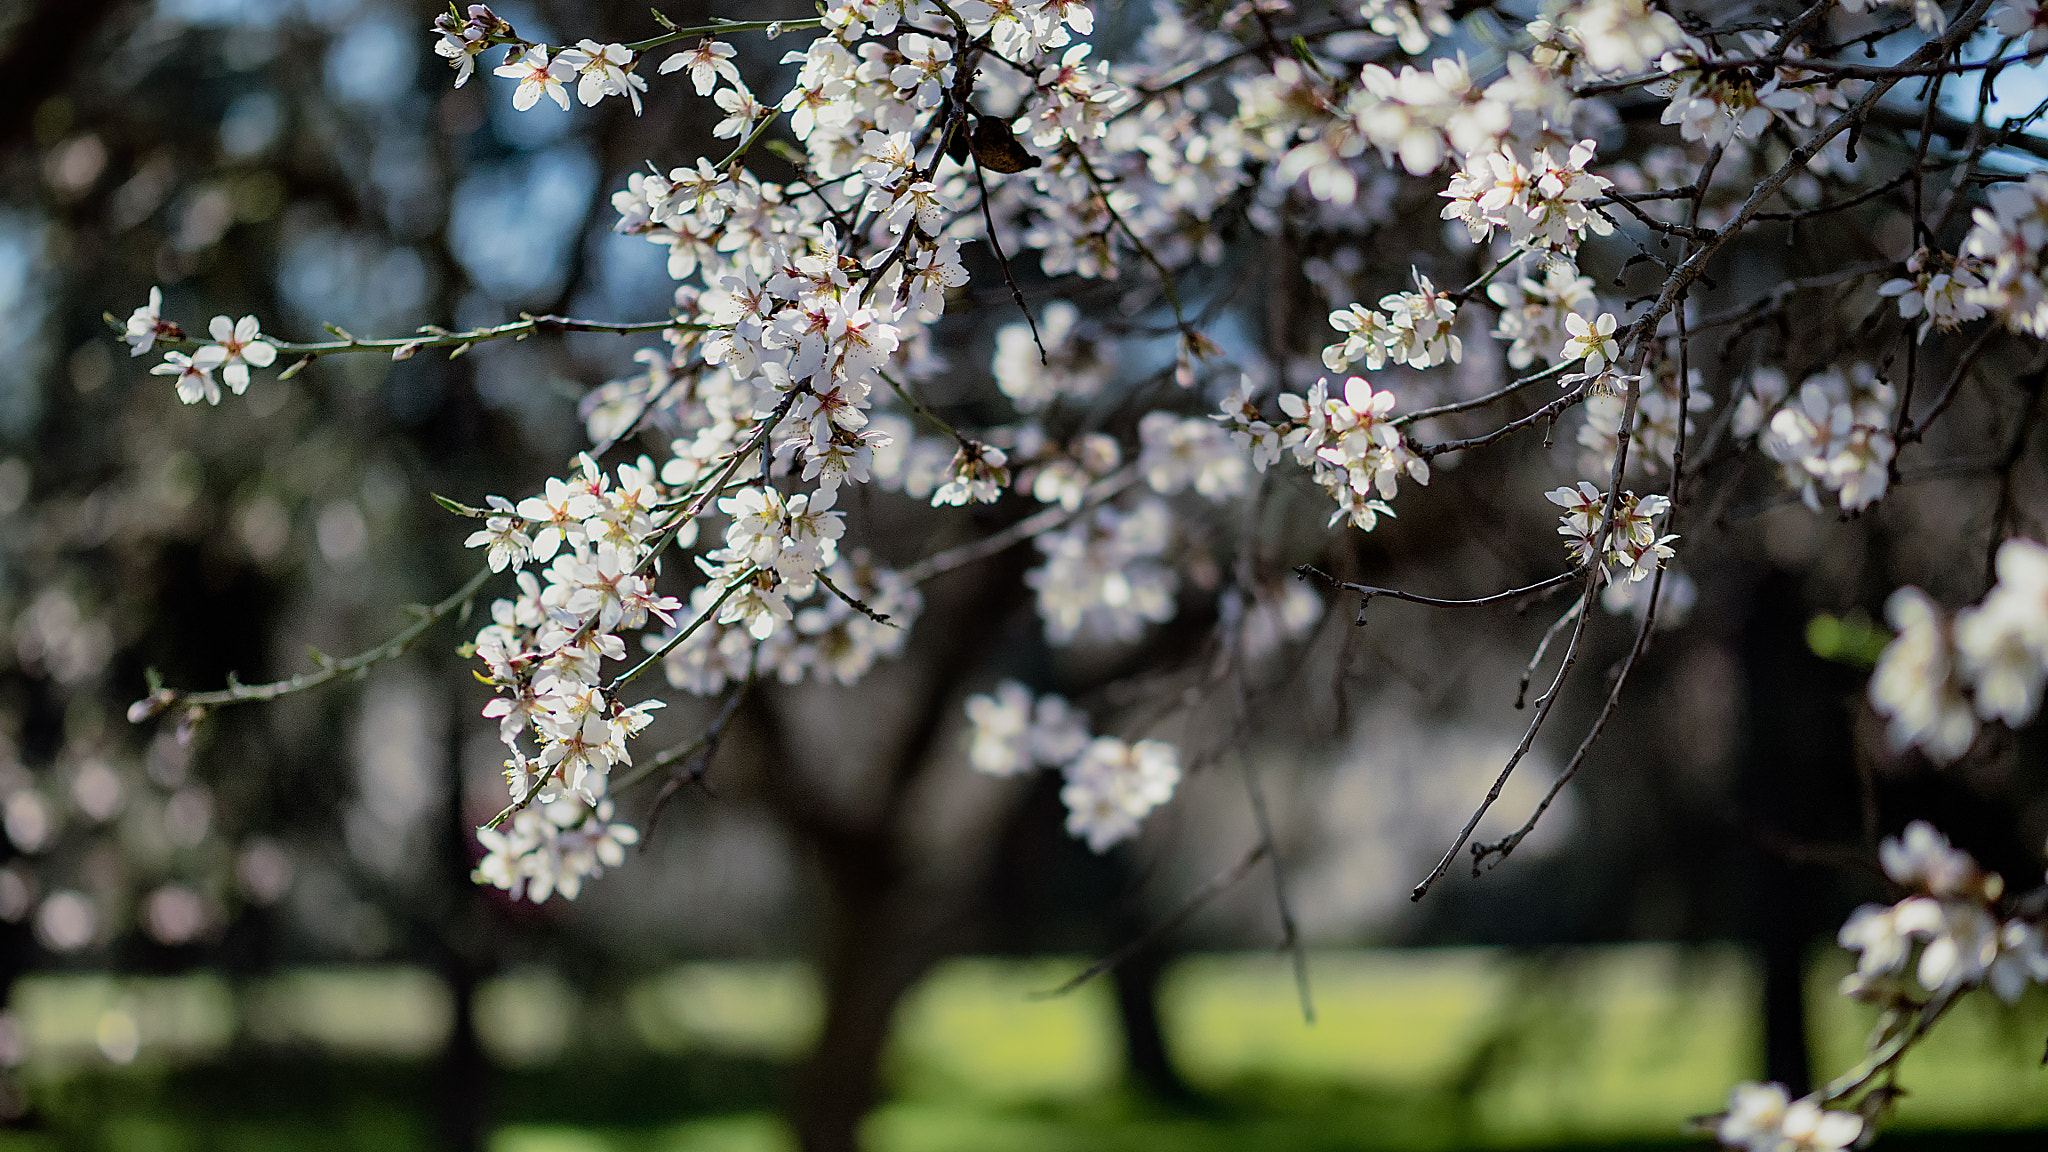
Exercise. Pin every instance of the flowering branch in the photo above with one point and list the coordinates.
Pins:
(433, 336)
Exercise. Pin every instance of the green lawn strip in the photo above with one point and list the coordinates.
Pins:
(1414, 1050)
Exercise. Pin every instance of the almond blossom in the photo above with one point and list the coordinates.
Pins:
(238, 345)
(538, 75)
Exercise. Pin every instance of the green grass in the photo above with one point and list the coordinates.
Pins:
(1412, 1051)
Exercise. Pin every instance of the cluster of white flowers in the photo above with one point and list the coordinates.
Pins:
(2006, 242)
(552, 847)
(1104, 575)
(1952, 921)
(1533, 312)
(1617, 36)
(1412, 328)
(1179, 452)
(1543, 206)
(597, 70)
(1835, 433)
(826, 637)
(1350, 444)
(1411, 23)
(1765, 1118)
(1656, 428)
(1943, 288)
(465, 36)
(543, 649)
(1416, 118)
(237, 346)
(1936, 680)
(1717, 106)
(1632, 551)
(1110, 784)
(795, 298)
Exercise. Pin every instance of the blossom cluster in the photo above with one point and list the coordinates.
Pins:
(1938, 678)
(1104, 575)
(552, 848)
(1110, 784)
(1765, 1118)
(1944, 289)
(1952, 932)
(1349, 442)
(1657, 424)
(2006, 241)
(1412, 328)
(1533, 312)
(236, 347)
(1543, 206)
(1629, 552)
(1717, 106)
(1834, 433)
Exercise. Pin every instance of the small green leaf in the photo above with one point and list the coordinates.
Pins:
(1851, 640)
(459, 508)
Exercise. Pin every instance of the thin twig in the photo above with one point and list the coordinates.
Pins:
(699, 753)
(996, 245)
(160, 699)
(1217, 885)
(1369, 591)
(1032, 525)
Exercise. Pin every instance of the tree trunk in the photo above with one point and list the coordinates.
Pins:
(1786, 1058)
(1146, 1056)
(877, 951)
(1799, 788)
(462, 1080)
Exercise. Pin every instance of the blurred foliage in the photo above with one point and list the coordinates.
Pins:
(1429, 1049)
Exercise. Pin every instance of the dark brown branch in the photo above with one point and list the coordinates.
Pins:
(1369, 591)
(1918, 431)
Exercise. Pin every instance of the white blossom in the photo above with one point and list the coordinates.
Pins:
(1113, 785)
(146, 323)
(538, 75)
(602, 70)
(1916, 685)
(194, 377)
(238, 345)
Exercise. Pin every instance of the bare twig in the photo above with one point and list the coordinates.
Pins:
(1216, 886)
(161, 699)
